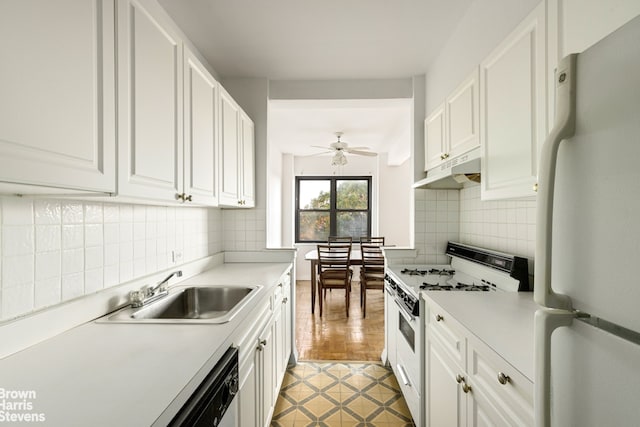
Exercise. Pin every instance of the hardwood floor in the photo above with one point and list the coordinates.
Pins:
(335, 336)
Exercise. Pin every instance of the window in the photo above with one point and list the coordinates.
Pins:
(332, 206)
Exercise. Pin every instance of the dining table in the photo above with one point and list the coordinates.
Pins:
(312, 256)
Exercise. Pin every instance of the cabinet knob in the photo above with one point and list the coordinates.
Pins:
(284, 300)
(466, 388)
(445, 156)
(439, 318)
(180, 196)
(503, 378)
(263, 342)
(442, 157)
(535, 187)
(459, 378)
(189, 198)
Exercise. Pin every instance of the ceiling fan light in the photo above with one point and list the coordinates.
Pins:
(338, 159)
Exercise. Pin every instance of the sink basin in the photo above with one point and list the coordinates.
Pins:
(196, 304)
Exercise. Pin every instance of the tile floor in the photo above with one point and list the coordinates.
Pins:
(332, 394)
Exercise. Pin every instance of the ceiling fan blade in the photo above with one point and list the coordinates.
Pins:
(359, 148)
(361, 153)
(319, 146)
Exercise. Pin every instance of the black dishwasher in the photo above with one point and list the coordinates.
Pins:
(209, 403)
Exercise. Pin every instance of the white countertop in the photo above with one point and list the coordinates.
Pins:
(103, 374)
(502, 320)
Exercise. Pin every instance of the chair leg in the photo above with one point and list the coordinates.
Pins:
(320, 297)
(364, 302)
(347, 292)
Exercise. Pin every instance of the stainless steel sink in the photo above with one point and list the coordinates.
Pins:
(197, 304)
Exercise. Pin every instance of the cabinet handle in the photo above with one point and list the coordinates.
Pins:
(535, 187)
(284, 300)
(441, 156)
(503, 378)
(445, 156)
(466, 388)
(189, 198)
(180, 196)
(439, 318)
(459, 379)
(260, 347)
(263, 342)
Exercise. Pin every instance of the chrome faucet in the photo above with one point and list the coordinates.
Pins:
(149, 294)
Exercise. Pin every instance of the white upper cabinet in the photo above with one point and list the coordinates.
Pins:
(229, 149)
(513, 117)
(462, 117)
(149, 103)
(452, 128)
(237, 155)
(434, 133)
(57, 94)
(247, 172)
(200, 132)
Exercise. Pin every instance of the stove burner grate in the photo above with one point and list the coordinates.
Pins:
(438, 271)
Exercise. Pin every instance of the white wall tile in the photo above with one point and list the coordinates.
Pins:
(72, 236)
(48, 238)
(16, 300)
(72, 261)
(93, 235)
(72, 286)
(93, 280)
(48, 265)
(47, 292)
(47, 212)
(93, 213)
(72, 213)
(17, 270)
(16, 211)
(17, 240)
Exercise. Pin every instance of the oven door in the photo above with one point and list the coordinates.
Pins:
(407, 366)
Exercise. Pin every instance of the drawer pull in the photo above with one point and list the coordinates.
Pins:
(503, 378)
(459, 379)
(439, 318)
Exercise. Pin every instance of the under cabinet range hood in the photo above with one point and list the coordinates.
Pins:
(454, 172)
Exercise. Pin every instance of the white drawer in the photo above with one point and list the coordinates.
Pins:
(441, 326)
(499, 384)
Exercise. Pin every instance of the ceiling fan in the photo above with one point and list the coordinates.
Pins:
(340, 147)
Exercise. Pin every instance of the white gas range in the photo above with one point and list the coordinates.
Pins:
(471, 269)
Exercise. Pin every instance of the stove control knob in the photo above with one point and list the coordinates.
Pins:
(439, 318)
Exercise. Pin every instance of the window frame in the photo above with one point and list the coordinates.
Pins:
(333, 199)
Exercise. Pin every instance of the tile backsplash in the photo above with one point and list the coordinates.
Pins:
(503, 225)
(52, 251)
(437, 216)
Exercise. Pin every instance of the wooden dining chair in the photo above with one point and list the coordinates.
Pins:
(368, 240)
(371, 272)
(334, 271)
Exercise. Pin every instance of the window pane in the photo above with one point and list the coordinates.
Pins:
(315, 194)
(314, 226)
(352, 224)
(352, 194)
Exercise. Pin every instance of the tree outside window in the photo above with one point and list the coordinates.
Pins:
(332, 206)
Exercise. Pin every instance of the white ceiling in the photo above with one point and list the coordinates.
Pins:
(327, 39)
(381, 125)
(324, 40)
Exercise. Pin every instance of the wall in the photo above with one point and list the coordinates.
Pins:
(504, 225)
(395, 221)
(53, 251)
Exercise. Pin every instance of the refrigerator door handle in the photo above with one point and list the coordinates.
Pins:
(563, 128)
(546, 321)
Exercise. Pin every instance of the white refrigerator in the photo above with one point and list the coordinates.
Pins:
(587, 272)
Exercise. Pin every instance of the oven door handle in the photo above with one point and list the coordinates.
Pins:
(403, 375)
(405, 312)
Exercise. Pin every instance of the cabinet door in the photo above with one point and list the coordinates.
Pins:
(462, 117)
(247, 170)
(391, 327)
(150, 102)
(200, 132)
(57, 94)
(513, 114)
(445, 400)
(229, 154)
(434, 134)
(267, 374)
(248, 396)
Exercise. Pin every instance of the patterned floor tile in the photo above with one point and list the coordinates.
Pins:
(340, 394)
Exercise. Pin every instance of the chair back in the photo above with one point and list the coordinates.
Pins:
(340, 239)
(335, 256)
(367, 240)
(372, 258)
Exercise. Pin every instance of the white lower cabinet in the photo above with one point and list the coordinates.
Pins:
(466, 382)
(264, 349)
